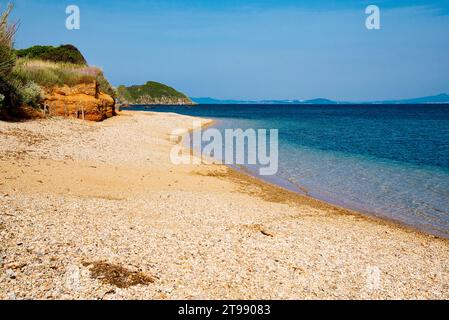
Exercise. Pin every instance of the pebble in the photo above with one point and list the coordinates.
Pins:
(11, 296)
(11, 274)
(195, 243)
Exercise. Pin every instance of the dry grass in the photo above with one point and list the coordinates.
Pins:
(48, 74)
(117, 275)
(7, 32)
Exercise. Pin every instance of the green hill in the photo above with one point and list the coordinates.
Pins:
(65, 53)
(152, 93)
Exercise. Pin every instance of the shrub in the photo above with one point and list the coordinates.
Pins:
(65, 53)
(31, 94)
(7, 60)
(49, 74)
(105, 86)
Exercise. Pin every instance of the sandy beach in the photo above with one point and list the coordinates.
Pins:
(98, 211)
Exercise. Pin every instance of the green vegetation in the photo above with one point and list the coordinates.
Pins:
(7, 58)
(65, 53)
(7, 32)
(56, 66)
(25, 73)
(152, 93)
(105, 86)
(49, 74)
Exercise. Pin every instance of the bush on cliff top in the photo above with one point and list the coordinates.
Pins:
(49, 74)
(57, 66)
(64, 53)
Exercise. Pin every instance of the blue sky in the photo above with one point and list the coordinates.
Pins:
(256, 49)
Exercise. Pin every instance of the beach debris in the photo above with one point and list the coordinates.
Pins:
(8, 214)
(108, 292)
(260, 228)
(16, 266)
(266, 233)
(298, 269)
(116, 275)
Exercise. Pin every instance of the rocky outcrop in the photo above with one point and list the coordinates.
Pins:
(84, 101)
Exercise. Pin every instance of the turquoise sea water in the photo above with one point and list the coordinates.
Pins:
(391, 161)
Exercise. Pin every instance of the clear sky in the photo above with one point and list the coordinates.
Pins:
(233, 49)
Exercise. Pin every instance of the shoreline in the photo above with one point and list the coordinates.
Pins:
(275, 187)
(340, 205)
(80, 200)
(303, 192)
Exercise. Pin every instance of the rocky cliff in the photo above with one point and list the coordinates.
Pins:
(81, 101)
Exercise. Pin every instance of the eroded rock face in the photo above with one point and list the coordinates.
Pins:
(82, 99)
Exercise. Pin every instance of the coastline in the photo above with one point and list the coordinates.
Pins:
(289, 186)
(198, 231)
(302, 191)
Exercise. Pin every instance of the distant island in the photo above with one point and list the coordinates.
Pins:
(152, 93)
(441, 98)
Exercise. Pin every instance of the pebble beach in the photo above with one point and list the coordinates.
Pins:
(98, 211)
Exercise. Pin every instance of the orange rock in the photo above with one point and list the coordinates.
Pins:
(82, 99)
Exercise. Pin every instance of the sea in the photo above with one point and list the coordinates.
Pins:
(388, 161)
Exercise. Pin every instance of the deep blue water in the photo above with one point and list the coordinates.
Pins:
(391, 161)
